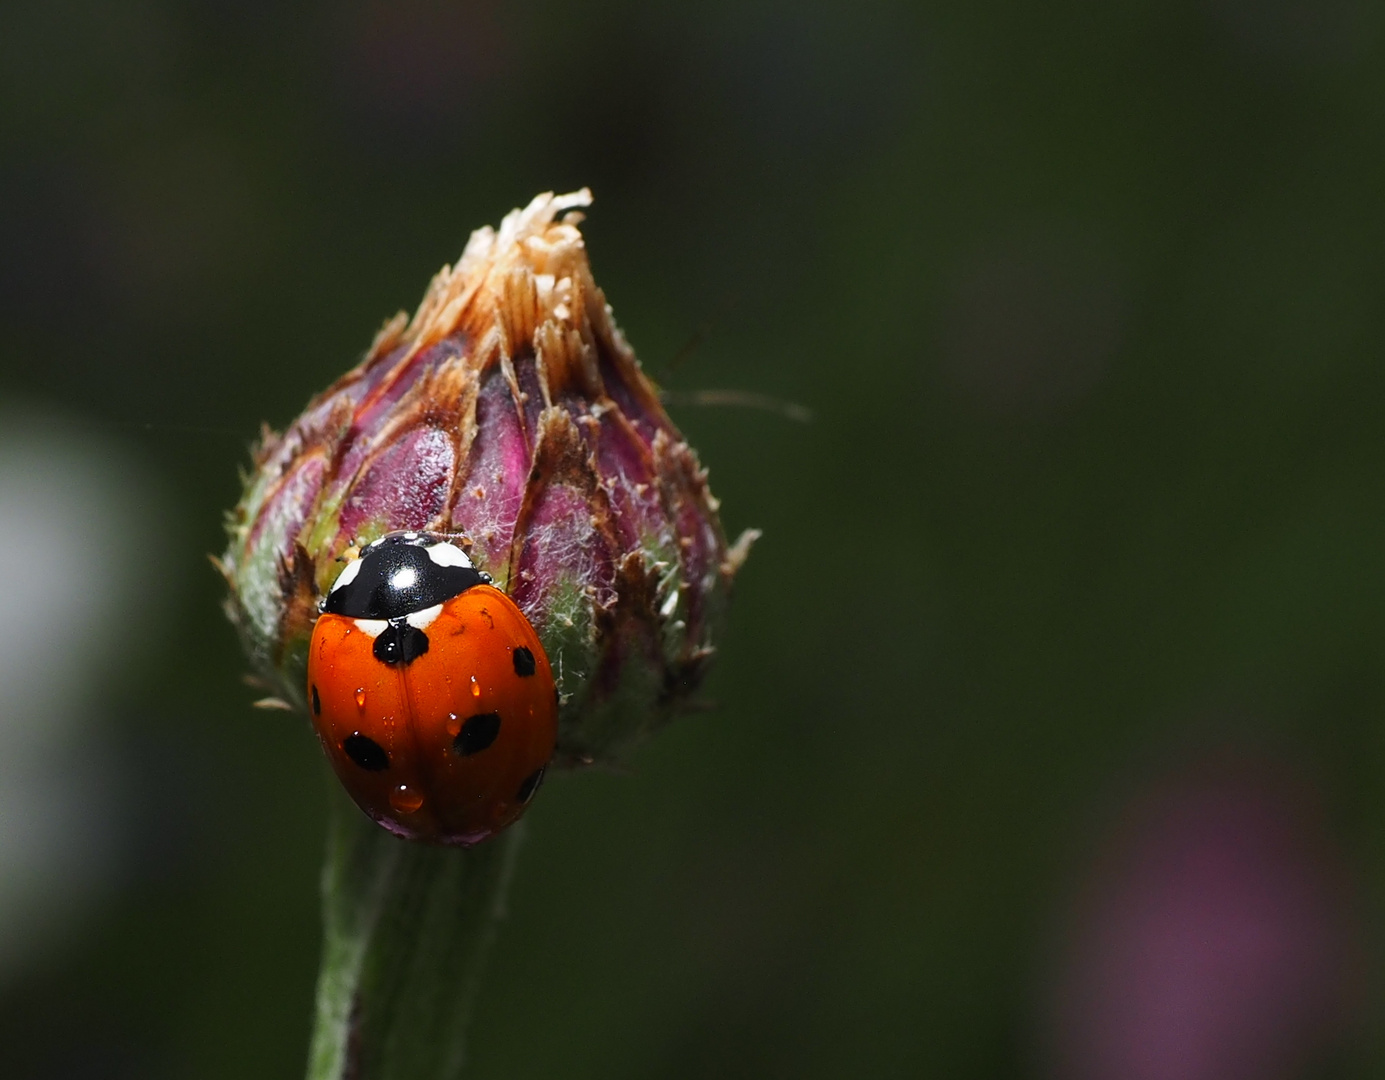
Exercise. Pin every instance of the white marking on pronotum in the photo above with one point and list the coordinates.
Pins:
(348, 574)
(372, 628)
(406, 577)
(446, 554)
(421, 620)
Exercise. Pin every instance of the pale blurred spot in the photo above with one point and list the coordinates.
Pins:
(1032, 323)
(79, 536)
(1215, 938)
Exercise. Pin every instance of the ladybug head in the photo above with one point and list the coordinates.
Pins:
(400, 573)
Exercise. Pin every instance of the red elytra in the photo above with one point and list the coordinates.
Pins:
(440, 717)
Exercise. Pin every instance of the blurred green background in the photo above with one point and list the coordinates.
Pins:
(1086, 301)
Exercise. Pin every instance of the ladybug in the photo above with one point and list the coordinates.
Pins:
(430, 692)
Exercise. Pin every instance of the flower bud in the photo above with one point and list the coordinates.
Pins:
(510, 415)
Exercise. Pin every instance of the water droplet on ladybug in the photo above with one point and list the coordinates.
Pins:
(405, 799)
(475, 687)
(360, 697)
(454, 724)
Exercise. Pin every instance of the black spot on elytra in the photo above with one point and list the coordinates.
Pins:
(366, 752)
(317, 702)
(400, 643)
(477, 733)
(524, 662)
(531, 785)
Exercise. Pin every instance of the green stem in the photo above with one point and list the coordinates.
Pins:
(406, 931)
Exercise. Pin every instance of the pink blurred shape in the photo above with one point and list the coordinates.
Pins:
(1214, 940)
